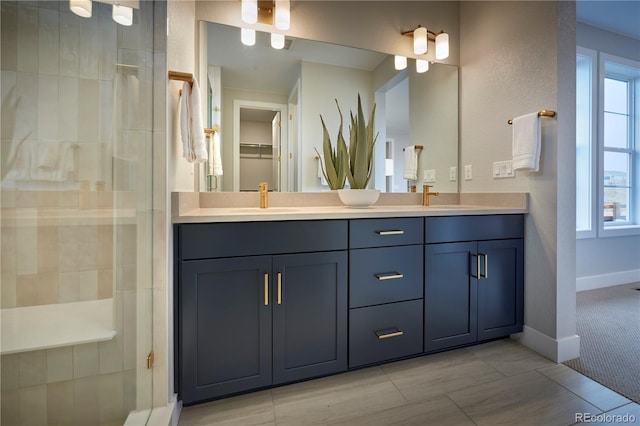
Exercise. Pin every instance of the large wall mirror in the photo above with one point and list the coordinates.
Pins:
(267, 104)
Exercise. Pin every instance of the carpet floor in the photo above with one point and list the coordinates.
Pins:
(609, 330)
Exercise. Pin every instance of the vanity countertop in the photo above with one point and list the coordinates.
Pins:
(253, 214)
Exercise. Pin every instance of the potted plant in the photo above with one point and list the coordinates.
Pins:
(353, 163)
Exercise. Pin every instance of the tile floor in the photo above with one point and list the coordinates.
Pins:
(496, 383)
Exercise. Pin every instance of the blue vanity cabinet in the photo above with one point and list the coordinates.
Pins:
(385, 289)
(273, 311)
(474, 279)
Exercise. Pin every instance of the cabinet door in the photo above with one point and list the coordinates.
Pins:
(500, 288)
(309, 315)
(450, 296)
(225, 326)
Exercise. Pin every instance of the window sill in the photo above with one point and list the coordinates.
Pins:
(619, 231)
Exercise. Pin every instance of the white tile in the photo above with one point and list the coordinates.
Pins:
(68, 251)
(68, 289)
(27, 38)
(33, 405)
(48, 39)
(111, 398)
(88, 247)
(85, 401)
(129, 328)
(108, 46)
(110, 355)
(106, 108)
(10, 410)
(88, 49)
(88, 111)
(48, 93)
(8, 93)
(59, 364)
(60, 403)
(27, 108)
(8, 36)
(88, 285)
(33, 368)
(27, 241)
(85, 360)
(10, 371)
(68, 109)
(8, 287)
(68, 49)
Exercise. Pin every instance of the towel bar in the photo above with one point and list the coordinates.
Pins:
(541, 113)
(418, 147)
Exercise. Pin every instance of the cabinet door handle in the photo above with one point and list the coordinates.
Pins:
(389, 332)
(396, 232)
(486, 265)
(266, 289)
(279, 288)
(389, 276)
(477, 275)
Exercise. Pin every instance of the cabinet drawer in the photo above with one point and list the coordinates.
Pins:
(384, 332)
(210, 240)
(385, 232)
(386, 274)
(473, 228)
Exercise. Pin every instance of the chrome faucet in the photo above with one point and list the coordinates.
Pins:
(426, 194)
(262, 188)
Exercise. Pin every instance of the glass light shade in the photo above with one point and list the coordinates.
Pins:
(249, 11)
(248, 36)
(81, 7)
(282, 15)
(400, 62)
(422, 65)
(123, 15)
(420, 41)
(277, 41)
(442, 46)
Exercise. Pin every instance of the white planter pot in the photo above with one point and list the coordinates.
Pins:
(358, 198)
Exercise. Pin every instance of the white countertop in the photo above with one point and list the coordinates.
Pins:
(254, 214)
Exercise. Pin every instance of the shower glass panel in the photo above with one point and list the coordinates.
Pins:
(76, 214)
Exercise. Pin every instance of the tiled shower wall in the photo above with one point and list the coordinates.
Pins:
(80, 230)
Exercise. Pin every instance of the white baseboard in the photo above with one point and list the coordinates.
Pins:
(557, 350)
(607, 280)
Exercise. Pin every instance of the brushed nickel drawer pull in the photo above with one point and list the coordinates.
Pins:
(279, 288)
(391, 276)
(477, 275)
(397, 232)
(266, 289)
(385, 334)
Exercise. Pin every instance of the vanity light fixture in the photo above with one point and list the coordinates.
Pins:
(249, 11)
(282, 15)
(277, 40)
(420, 41)
(420, 44)
(123, 15)
(400, 62)
(248, 36)
(81, 7)
(422, 66)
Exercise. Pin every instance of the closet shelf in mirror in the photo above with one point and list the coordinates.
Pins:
(256, 150)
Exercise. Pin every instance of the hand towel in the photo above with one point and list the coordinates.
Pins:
(411, 163)
(47, 155)
(526, 142)
(191, 127)
(216, 162)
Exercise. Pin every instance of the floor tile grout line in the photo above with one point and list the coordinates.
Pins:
(461, 409)
(395, 386)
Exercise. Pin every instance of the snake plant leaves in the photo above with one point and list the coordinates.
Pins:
(361, 143)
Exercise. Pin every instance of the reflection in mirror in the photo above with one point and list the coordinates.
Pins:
(268, 104)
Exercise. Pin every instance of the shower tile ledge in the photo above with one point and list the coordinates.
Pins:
(51, 326)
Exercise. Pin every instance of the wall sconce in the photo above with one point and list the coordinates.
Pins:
(248, 36)
(421, 37)
(422, 66)
(270, 12)
(122, 12)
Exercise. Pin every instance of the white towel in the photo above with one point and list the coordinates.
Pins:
(411, 163)
(191, 127)
(526, 142)
(215, 164)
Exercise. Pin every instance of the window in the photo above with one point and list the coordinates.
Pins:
(607, 146)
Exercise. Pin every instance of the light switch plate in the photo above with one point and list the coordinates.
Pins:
(429, 176)
(468, 172)
(503, 169)
(453, 173)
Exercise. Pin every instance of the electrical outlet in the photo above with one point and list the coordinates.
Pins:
(453, 173)
(468, 172)
(502, 169)
(429, 176)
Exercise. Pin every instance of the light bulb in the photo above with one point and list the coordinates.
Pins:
(277, 41)
(249, 11)
(442, 46)
(400, 62)
(81, 7)
(282, 15)
(422, 65)
(248, 36)
(420, 41)
(123, 15)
